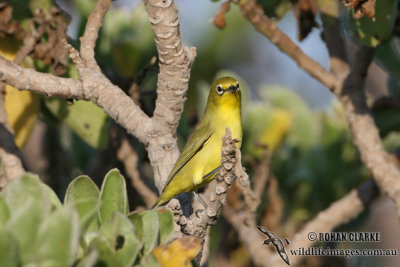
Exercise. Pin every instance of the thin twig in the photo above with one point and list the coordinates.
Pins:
(348, 87)
(251, 201)
(262, 175)
(89, 38)
(255, 15)
(274, 209)
(158, 133)
(42, 83)
(128, 156)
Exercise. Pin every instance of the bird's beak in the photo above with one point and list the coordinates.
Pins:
(232, 88)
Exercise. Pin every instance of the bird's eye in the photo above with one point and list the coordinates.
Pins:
(237, 86)
(220, 90)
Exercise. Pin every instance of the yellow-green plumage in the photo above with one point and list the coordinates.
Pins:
(202, 152)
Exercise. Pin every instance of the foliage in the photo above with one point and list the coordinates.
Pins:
(21, 106)
(373, 32)
(87, 120)
(92, 228)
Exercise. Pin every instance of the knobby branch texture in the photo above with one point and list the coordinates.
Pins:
(198, 223)
(172, 84)
(157, 133)
(128, 156)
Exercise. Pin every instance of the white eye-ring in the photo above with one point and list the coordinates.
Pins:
(220, 90)
(237, 86)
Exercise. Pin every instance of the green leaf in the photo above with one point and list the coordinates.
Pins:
(84, 7)
(84, 195)
(117, 243)
(58, 239)
(113, 195)
(150, 230)
(372, 32)
(4, 212)
(54, 200)
(29, 205)
(89, 260)
(43, 5)
(22, 190)
(127, 40)
(388, 56)
(136, 220)
(387, 120)
(328, 8)
(20, 9)
(275, 8)
(8, 249)
(87, 120)
(24, 224)
(303, 129)
(166, 226)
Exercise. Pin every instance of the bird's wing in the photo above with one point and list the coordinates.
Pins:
(195, 143)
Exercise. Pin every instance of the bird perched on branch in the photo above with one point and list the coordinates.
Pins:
(200, 159)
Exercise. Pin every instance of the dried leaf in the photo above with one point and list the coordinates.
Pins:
(7, 25)
(219, 20)
(362, 7)
(5, 13)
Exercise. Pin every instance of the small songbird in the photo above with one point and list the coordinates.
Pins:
(200, 159)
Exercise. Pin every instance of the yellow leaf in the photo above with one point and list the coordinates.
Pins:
(21, 106)
(179, 252)
(273, 135)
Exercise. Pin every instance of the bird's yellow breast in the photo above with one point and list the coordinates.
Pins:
(202, 154)
(210, 157)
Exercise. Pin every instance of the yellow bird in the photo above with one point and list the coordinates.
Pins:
(201, 157)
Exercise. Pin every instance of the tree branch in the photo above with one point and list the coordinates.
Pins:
(128, 156)
(98, 89)
(199, 221)
(158, 133)
(365, 134)
(348, 87)
(10, 156)
(338, 213)
(89, 38)
(172, 84)
(255, 15)
(42, 83)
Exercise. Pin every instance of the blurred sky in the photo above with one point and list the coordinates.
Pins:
(270, 66)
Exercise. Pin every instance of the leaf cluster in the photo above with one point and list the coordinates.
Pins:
(92, 228)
